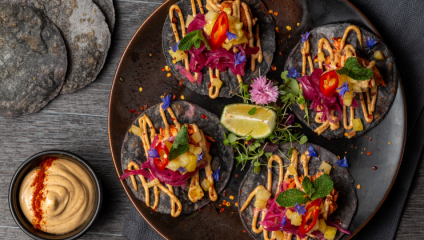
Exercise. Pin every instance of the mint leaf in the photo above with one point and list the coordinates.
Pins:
(290, 197)
(323, 186)
(193, 38)
(252, 111)
(303, 139)
(188, 40)
(180, 144)
(354, 70)
(307, 186)
(290, 151)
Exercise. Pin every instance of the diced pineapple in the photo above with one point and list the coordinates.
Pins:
(292, 170)
(316, 227)
(357, 125)
(232, 20)
(326, 167)
(321, 57)
(278, 235)
(136, 130)
(289, 214)
(206, 184)
(216, 82)
(330, 233)
(168, 145)
(153, 183)
(197, 150)
(184, 159)
(211, 16)
(196, 193)
(173, 165)
(178, 55)
(197, 137)
(228, 11)
(322, 226)
(208, 28)
(190, 19)
(263, 194)
(238, 25)
(227, 46)
(296, 219)
(191, 148)
(191, 166)
(378, 55)
(260, 204)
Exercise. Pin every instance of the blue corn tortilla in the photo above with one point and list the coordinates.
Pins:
(343, 183)
(222, 156)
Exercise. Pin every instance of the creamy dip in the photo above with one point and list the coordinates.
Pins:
(65, 198)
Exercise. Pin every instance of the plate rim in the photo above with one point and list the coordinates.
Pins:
(116, 161)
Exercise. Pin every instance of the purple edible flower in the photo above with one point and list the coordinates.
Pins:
(166, 101)
(342, 163)
(300, 209)
(305, 36)
(182, 169)
(370, 42)
(284, 221)
(343, 89)
(175, 48)
(231, 35)
(311, 152)
(153, 153)
(293, 73)
(270, 170)
(263, 92)
(239, 58)
(200, 157)
(215, 175)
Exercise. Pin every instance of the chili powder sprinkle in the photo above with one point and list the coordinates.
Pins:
(38, 196)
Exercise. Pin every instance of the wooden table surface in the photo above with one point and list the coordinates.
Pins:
(78, 123)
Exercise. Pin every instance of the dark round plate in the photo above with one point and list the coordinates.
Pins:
(141, 65)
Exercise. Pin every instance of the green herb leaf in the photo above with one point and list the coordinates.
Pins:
(303, 139)
(257, 169)
(226, 142)
(279, 111)
(301, 100)
(307, 186)
(180, 144)
(257, 164)
(293, 85)
(290, 197)
(284, 75)
(354, 70)
(290, 151)
(268, 154)
(252, 111)
(193, 38)
(323, 186)
(232, 137)
(249, 138)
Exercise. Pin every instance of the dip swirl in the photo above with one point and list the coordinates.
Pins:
(57, 196)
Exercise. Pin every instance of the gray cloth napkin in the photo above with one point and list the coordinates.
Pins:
(400, 24)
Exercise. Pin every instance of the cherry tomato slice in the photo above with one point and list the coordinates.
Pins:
(328, 83)
(219, 31)
(314, 208)
(163, 161)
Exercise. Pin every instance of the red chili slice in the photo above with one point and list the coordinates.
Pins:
(163, 161)
(314, 213)
(219, 31)
(328, 83)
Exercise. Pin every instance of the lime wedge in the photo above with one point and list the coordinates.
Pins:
(235, 118)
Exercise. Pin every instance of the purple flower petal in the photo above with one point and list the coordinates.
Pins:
(200, 157)
(231, 35)
(342, 163)
(370, 42)
(239, 59)
(300, 209)
(305, 36)
(182, 169)
(311, 152)
(175, 48)
(166, 101)
(343, 89)
(293, 73)
(215, 175)
(153, 153)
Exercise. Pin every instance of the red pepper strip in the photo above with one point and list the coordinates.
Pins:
(219, 31)
(328, 83)
(163, 161)
(314, 206)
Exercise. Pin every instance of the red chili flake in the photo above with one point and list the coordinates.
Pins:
(181, 83)
(281, 54)
(222, 209)
(329, 138)
(138, 113)
(307, 55)
(141, 108)
(374, 168)
(368, 153)
(338, 222)
(370, 139)
(319, 148)
(174, 20)
(200, 210)
(241, 191)
(247, 220)
(177, 10)
(236, 175)
(378, 149)
(163, 69)
(209, 85)
(351, 146)
(173, 119)
(243, 231)
(132, 111)
(204, 116)
(174, 97)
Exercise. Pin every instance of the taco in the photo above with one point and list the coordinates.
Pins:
(243, 46)
(170, 166)
(348, 75)
(315, 191)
